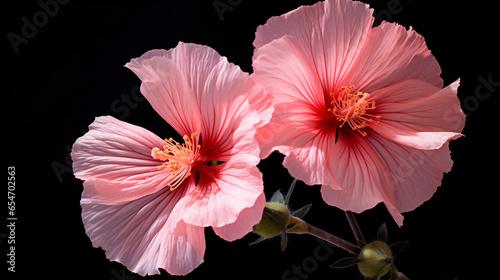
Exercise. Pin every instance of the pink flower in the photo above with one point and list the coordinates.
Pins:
(146, 201)
(360, 110)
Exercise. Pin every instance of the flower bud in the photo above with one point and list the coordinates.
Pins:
(274, 220)
(375, 259)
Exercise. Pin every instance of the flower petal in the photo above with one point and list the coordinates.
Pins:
(378, 170)
(114, 159)
(391, 55)
(224, 91)
(331, 34)
(283, 66)
(135, 234)
(222, 193)
(261, 100)
(200, 65)
(240, 141)
(297, 96)
(307, 160)
(418, 114)
(167, 89)
(358, 170)
(222, 94)
(247, 218)
(415, 174)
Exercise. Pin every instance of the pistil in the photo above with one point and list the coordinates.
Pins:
(178, 158)
(352, 108)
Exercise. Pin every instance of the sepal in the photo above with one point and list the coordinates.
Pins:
(345, 262)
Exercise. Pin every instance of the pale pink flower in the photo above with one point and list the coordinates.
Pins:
(359, 110)
(146, 201)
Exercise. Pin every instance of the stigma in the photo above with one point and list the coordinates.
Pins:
(178, 158)
(353, 109)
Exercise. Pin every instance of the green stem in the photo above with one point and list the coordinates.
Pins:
(354, 226)
(328, 237)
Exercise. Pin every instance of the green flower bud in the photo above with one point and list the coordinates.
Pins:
(274, 220)
(375, 259)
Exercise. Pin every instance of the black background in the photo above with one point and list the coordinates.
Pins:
(71, 70)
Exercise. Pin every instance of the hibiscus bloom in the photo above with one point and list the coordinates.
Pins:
(360, 110)
(146, 201)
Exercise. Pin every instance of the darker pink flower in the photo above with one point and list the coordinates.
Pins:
(146, 201)
(359, 110)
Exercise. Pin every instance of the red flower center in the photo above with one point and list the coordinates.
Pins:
(352, 108)
(178, 158)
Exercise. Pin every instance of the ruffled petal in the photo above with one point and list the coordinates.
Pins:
(331, 34)
(376, 170)
(135, 234)
(222, 95)
(167, 89)
(284, 67)
(391, 55)
(294, 125)
(114, 159)
(418, 114)
(307, 160)
(222, 90)
(244, 223)
(415, 174)
(240, 141)
(201, 66)
(363, 179)
(262, 102)
(296, 93)
(222, 193)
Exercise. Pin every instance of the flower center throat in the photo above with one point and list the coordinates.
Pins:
(352, 108)
(178, 158)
